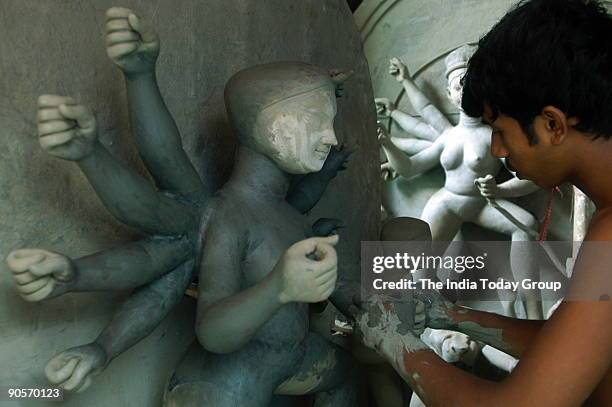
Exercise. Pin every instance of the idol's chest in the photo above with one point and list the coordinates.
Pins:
(268, 236)
(467, 149)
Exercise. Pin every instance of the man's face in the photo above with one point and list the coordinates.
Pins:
(537, 162)
(300, 131)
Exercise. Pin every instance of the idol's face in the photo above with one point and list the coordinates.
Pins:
(455, 88)
(300, 131)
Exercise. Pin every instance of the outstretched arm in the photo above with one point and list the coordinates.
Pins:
(69, 131)
(41, 274)
(410, 166)
(133, 45)
(74, 368)
(417, 98)
(386, 109)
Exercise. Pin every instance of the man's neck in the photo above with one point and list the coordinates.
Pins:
(593, 169)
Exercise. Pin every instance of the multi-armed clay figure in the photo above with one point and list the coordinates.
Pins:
(464, 153)
(161, 266)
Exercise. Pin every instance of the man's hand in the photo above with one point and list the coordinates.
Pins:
(437, 309)
(131, 43)
(384, 107)
(487, 186)
(385, 330)
(73, 369)
(40, 274)
(308, 270)
(398, 70)
(66, 129)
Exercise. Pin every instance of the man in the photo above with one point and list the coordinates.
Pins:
(542, 78)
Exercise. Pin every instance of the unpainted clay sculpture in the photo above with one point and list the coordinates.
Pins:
(470, 192)
(161, 266)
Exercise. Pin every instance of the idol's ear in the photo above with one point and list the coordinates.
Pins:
(338, 77)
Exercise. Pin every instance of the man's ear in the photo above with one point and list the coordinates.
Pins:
(555, 124)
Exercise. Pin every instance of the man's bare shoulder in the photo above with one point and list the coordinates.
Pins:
(600, 227)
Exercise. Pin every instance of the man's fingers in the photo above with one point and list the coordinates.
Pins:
(55, 126)
(54, 100)
(118, 24)
(121, 50)
(60, 367)
(119, 37)
(57, 139)
(79, 113)
(118, 12)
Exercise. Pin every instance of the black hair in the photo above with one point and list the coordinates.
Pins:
(545, 52)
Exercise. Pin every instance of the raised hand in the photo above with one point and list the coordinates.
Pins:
(384, 107)
(66, 129)
(40, 274)
(74, 368)
(336, 160)
(308, 270)
(131, 42)
(487, 186)
(398, 69)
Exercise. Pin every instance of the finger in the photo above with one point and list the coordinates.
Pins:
(381, 100)
(118, 12)
(49, 267)
(48, 114)
(54, 100)
(40, 294)
(119, 37)
(329, 289)
(395, 61)
(55, 126)
(77, 376)
(19, 261)
(24, 278)
(118, 24)
(33, 286)
(121, 50)
(79, 113)
(55, 140)
(60, 367)
(310, 245)
(143, 28)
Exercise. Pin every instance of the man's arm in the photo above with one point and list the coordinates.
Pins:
(133, 45)
(562, 365)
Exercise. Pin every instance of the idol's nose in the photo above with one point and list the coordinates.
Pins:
(329, 138)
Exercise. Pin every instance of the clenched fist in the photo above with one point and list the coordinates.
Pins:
(39, 273)
(384, 107)
(73, 369)
(308, 270)
(66, 129)
(398, 70)
(131, 43)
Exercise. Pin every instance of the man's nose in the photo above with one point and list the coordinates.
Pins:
(497, 146)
